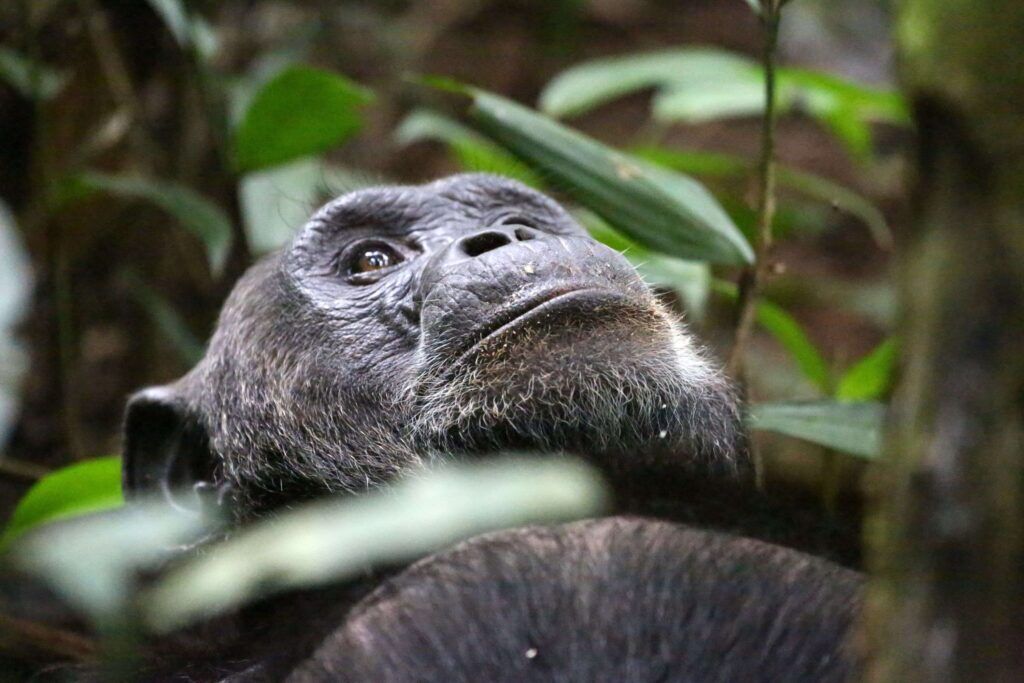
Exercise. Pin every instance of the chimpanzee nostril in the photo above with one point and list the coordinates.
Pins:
(522, 234)
(483, 242)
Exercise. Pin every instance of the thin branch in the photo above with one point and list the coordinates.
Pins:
(753, 278)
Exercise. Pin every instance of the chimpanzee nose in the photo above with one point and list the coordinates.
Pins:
(492, 238)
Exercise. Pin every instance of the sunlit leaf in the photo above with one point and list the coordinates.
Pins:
(86, 486)
(717, 165)
(662, 210)
(789, 333)
(870, 378)
(854, 428)
(473, 151)
(300, 112)
(337, 538)
(593, 83)
(33, 80)
(198, 215)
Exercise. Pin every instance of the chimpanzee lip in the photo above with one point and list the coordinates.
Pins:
(527, 309)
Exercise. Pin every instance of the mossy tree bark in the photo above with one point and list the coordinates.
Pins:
(947, 603)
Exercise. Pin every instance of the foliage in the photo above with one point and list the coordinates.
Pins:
(74, 490)
(854, 428)
(301, 111)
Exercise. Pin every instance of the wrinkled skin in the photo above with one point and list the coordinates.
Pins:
(497, 323)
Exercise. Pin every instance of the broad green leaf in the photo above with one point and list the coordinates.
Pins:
(698, 100)
(691, 280)
(662, 210)
(338, 538)
(473, 151)
(717, 165)
(697, 85)
(86, 486)
(31, 79)
(588, 85)
(870, 378)
(299, 112)
(15, 288)
(854, 428)
(195, 213)
(788, 332)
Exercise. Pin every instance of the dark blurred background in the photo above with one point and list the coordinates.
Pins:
(108, 295)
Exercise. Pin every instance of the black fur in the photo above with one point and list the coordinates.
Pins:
(618, 599)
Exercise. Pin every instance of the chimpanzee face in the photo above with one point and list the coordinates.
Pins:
(403, 324)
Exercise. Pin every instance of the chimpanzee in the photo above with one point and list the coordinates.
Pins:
(408, 324)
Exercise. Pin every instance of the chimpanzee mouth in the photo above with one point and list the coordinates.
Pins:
(551, 302)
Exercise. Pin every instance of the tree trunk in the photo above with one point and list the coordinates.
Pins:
(947, 603)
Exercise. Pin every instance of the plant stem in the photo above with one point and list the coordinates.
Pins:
(752, 279)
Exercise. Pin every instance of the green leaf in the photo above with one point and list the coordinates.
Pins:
(664, 211)
(300, 112)
(472, 151)
(588, 85)
(337, 538)
(87, 486)
(870, 378)
(854, 428)
(719, 165)
(788, 332)
(696, 85)
(195, 213)
(33, 80)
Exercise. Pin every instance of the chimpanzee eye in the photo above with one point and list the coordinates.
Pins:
(367, 258)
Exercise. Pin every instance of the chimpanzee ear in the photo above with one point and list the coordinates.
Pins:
(167, 452)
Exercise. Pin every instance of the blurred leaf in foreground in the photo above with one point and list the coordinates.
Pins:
(870, 378)
(854, 428)
(91, 561)
(300, 112)
(335, 539)
(74, 490)
(660, 209)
